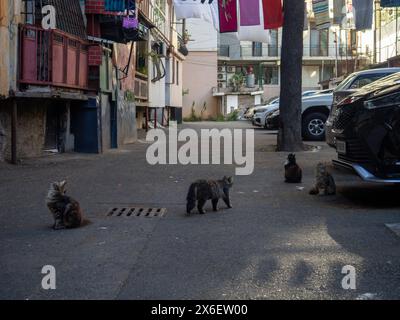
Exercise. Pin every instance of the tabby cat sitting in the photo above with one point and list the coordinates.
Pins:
(66, 211)
(325, 184)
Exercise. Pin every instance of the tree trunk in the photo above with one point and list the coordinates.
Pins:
(290, 137)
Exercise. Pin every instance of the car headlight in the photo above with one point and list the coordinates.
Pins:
(390, 100)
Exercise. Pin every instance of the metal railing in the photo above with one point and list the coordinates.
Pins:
(52, 57)
(248, 51)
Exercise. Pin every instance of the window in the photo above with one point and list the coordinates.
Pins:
(319, 42)
(257, 49)
(362, 81)
(273, 46)
(28, 11)
(271, 75)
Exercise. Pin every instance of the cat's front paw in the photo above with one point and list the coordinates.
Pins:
(202, 212)
(230, 206)
(59, 226)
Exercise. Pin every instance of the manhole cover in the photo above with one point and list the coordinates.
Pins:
(137, 212)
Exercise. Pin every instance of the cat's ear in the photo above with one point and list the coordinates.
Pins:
(63, 183)
(54, 185)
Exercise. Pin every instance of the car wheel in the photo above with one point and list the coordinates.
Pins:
(314, 126)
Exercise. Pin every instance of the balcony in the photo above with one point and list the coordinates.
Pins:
(144, 7)
(52, 58)
(223, 51)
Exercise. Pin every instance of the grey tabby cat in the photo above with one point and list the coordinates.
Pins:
(325, 184)
(203, 190)
(66, 211)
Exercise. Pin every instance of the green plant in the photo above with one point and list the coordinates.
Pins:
(130, 96)
(233, 116)
(185, 92)
(203, 110)
(236, 81)
(193, 117)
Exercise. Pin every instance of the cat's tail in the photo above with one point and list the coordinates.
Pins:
(191, 198)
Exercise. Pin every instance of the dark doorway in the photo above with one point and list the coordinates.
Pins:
(54, 126)
(84, 126)
(113, 125)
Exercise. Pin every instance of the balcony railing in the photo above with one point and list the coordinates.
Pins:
(144, 7)
(52, 58)
(223, 50)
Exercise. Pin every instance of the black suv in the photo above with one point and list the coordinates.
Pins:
(366, 128)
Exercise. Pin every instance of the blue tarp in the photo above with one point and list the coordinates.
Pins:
(115, 5)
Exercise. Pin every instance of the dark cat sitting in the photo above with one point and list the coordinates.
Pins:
(66, 211)
(203, 190)
(293, 172)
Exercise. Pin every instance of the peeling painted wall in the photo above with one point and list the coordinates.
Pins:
(126, 119)
(31, 128)
(9, 19)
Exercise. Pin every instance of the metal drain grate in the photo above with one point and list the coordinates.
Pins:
(137, 212)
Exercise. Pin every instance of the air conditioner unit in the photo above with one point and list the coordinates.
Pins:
(221, 85)
(231, 69)
(221, 69)
(220, 76)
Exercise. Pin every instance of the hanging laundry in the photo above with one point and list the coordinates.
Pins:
(115, 5)
(228, 19)
(390, 3)
(321, 12)
(249, 12)
(273, 14)
(363, 10)
(248, 30)
(339, 11)
(199, 9)
(348, 21)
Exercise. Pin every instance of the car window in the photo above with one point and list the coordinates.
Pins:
(364, 80)
(345, 82)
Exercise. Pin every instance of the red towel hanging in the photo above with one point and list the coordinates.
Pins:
(273, 14)
(228, 16)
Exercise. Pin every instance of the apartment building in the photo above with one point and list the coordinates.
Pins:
(328, 54)
(91, 82)
(199, 75)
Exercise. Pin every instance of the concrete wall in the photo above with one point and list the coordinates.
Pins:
(105, 122)
(9, 18)
(31, 128)
(203, 65)
(126, 120)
